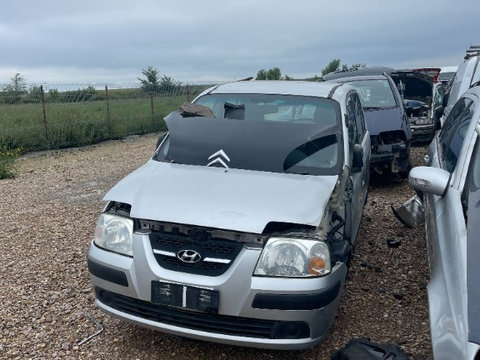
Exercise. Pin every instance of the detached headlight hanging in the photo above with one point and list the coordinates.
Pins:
(114, 233)
(290, 257)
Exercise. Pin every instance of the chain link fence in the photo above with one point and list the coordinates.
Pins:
(50, 116)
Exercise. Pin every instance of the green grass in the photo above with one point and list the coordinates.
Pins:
(76, 124)
(7, 161)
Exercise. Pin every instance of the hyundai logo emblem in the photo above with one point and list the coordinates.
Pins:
(189, 256)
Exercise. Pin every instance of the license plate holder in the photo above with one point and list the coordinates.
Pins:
(185, 297)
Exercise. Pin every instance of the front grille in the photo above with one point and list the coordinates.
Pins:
(388, 141)
(220, 324)
(388, 137)
(216, 254)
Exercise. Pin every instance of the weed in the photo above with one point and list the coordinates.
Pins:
(7, 161)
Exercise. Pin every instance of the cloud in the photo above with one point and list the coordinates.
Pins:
(191, 40)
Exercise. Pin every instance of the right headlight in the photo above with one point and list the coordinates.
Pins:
(424, 121)
(114, 233)
(291, 257)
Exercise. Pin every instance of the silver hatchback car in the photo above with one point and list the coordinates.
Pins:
(239, 228)
(451, 192)
(468, 73)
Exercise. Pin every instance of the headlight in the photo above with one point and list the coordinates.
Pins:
(114, 233)
(290, 257)
(424, 121)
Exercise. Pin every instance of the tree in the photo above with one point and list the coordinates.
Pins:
(261, 75)
(332, 66)
(167, 84)
(274, 74)
(345, 67)
(270, 74)
(53, 95)
(34, 95)
(15, 89)
(151, 83)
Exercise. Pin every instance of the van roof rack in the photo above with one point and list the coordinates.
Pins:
(473, 50)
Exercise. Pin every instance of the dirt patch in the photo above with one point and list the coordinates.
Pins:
(48, 215)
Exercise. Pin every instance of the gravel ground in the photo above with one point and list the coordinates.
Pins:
(48, 215)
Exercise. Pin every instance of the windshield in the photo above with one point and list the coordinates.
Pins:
(375, 94)
(446, 76)
(275, 133)
(279, 108)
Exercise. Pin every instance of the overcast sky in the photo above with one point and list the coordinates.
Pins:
(98, 41)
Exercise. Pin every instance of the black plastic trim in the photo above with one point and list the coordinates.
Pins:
(212, 323)
(296, 302)
(106, 273)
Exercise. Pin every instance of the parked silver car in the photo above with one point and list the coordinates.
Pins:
(385, 116)
(451, 192)
(447, 74)
(468, 73)
(239, 228)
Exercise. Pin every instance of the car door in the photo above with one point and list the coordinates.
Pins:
(358, 135)
(471, 201)
(446, 236)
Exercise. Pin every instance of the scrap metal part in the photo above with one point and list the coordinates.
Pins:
(411, 212)
(99, 329)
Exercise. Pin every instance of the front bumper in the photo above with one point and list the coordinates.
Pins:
(393, 157)
(422, 133)
(276, 313)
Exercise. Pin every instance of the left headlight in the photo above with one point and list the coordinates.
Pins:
(290, 257)
(424, 121)
(114, 233)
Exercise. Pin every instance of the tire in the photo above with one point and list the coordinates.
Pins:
(404, 173)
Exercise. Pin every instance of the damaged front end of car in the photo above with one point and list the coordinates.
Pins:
(422, 120)
(390, 153)
(215, 240)
(422, 99)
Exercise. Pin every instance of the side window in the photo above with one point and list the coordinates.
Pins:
(438, 96)
(473, 178)
(362, 128)
(452, 135)
(475, 168)
(352, 119)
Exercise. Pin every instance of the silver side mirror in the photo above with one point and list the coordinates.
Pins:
(429, 180)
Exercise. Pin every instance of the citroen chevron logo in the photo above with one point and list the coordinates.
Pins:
(219, 158)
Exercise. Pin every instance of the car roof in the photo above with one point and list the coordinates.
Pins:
(281, 87)
(358, 78)
(445, 69)
(358, 72)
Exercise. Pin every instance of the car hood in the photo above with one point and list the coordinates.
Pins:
(417, 86)
(383, 120)
(233, 199)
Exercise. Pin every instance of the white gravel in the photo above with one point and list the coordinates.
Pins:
(47, 217)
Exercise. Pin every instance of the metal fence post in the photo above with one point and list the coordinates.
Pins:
(153, 113)
(45, 125)
(109, 126)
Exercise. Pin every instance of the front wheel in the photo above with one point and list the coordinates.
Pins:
(404, 173)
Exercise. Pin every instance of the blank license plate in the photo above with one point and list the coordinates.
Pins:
(187, 297)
